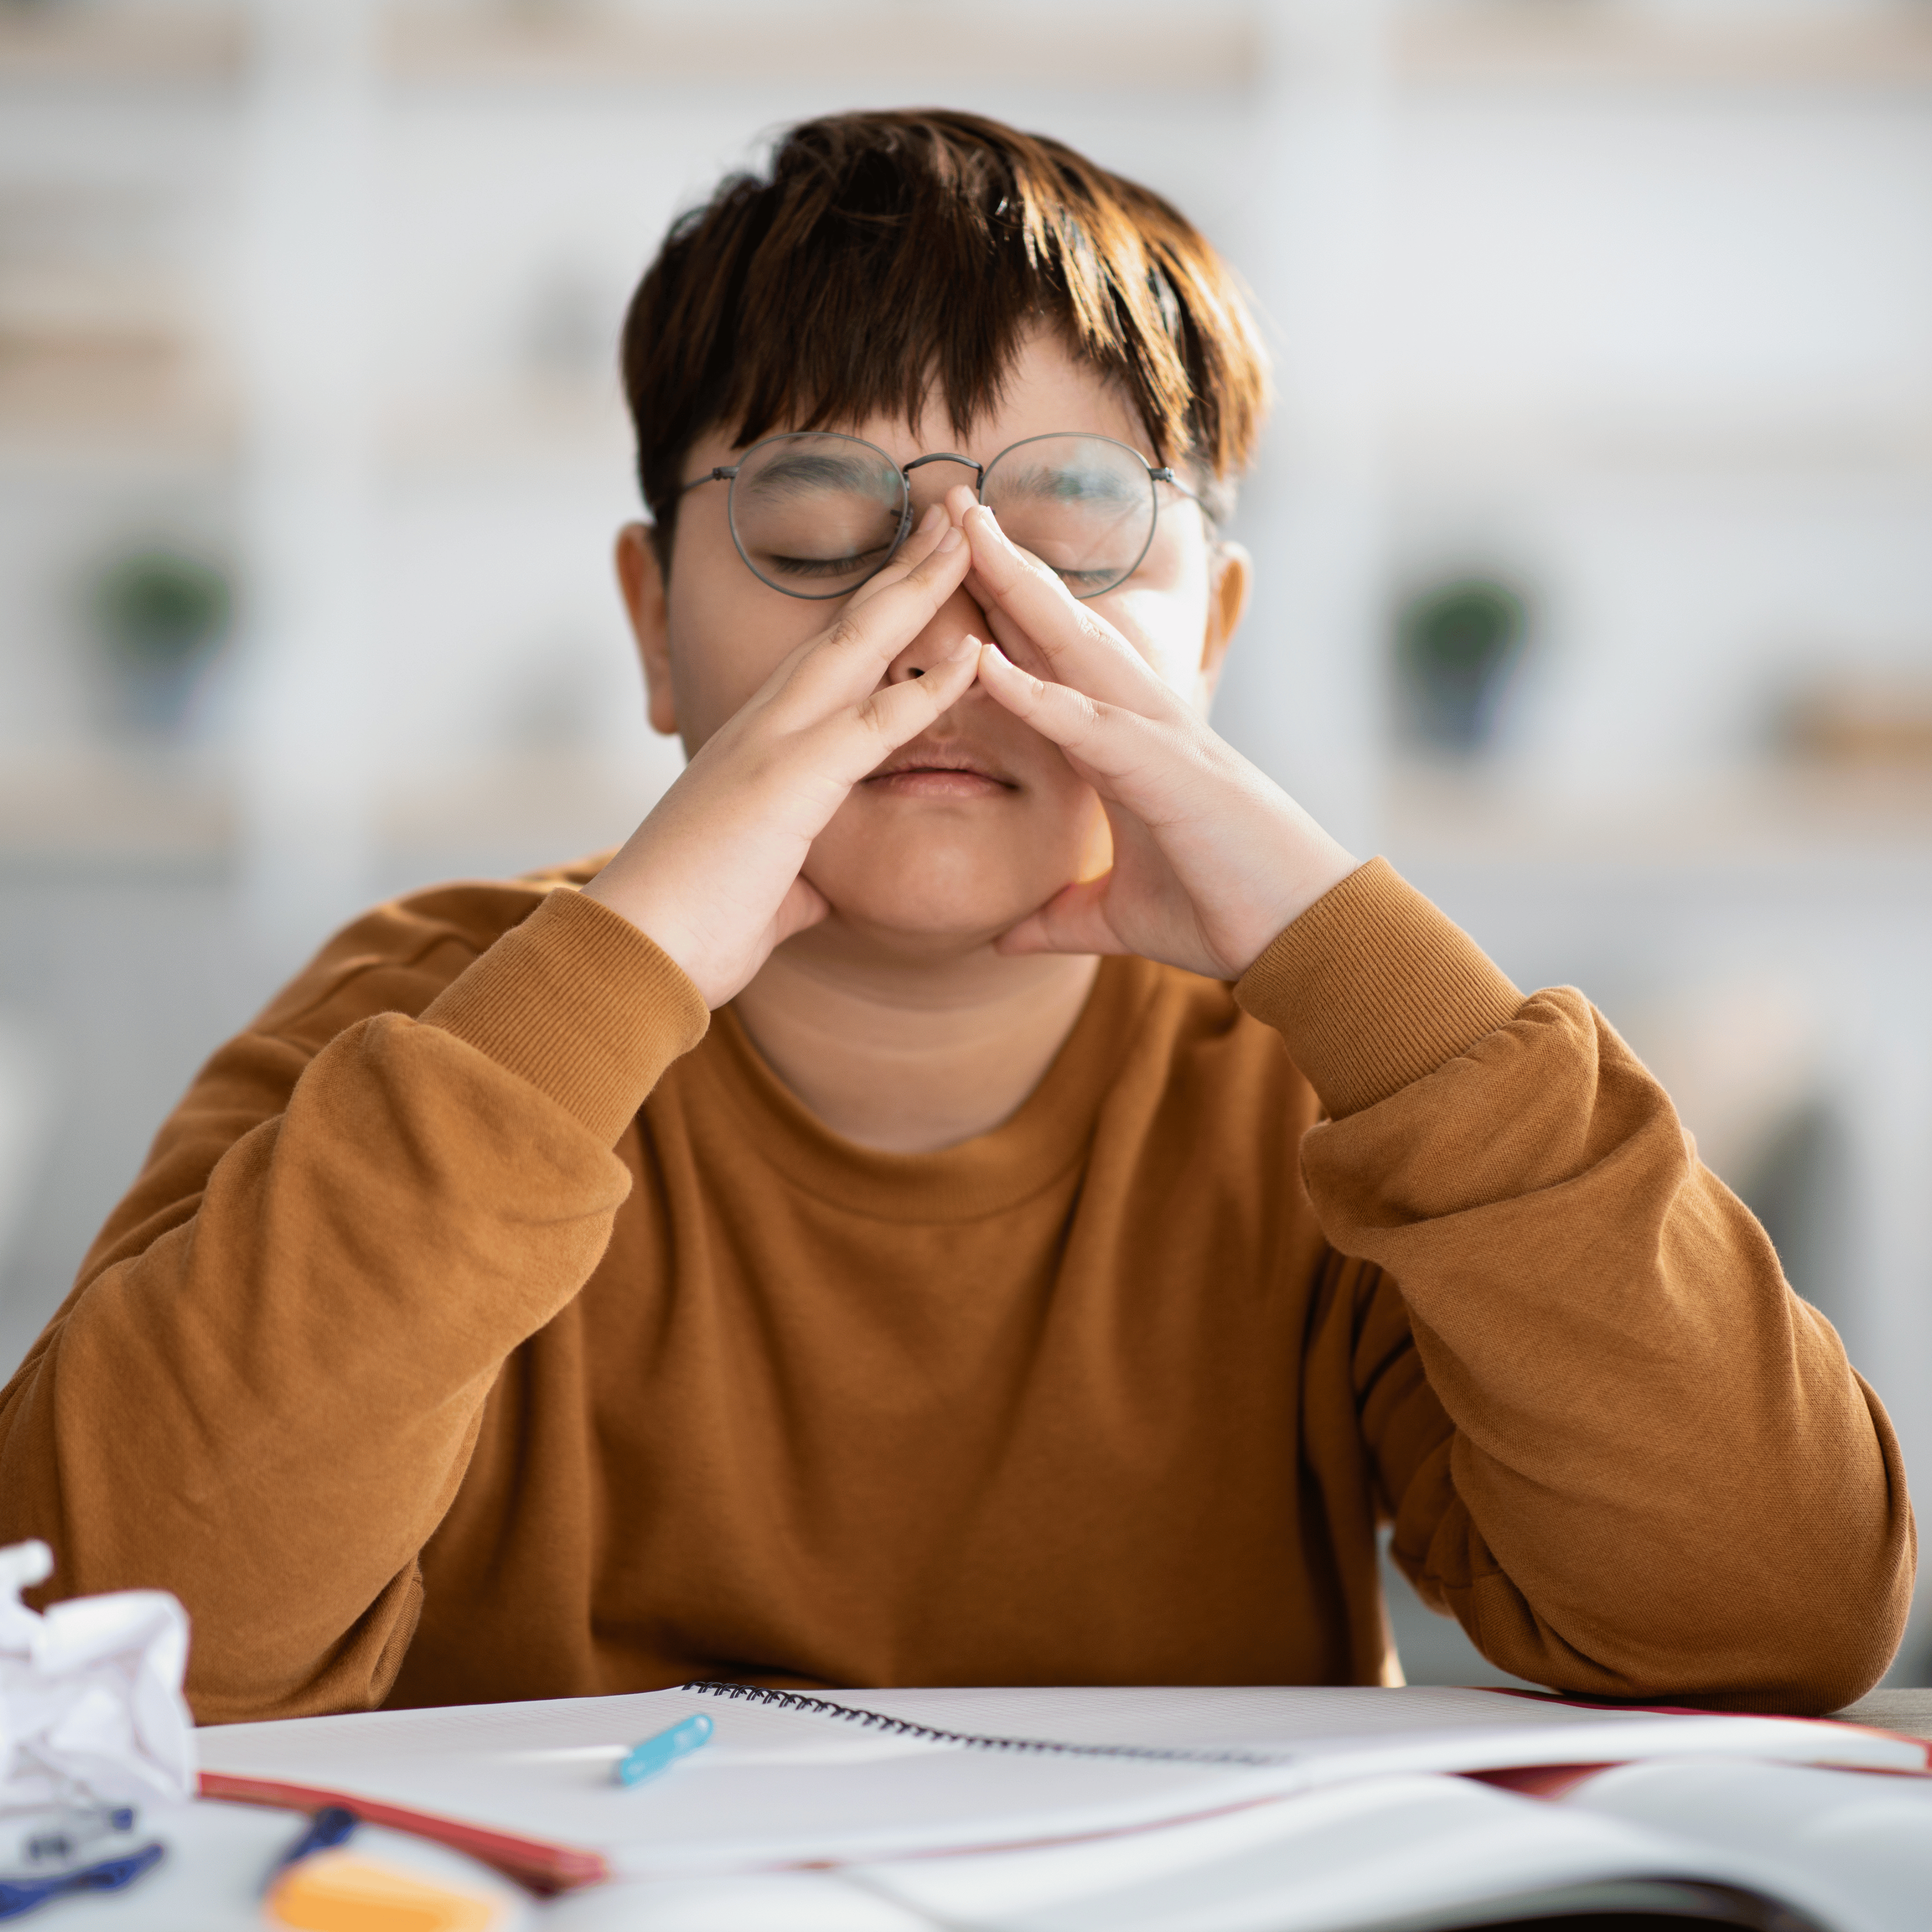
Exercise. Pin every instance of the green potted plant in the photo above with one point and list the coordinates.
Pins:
(161, 616)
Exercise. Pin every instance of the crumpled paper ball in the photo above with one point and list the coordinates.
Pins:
(91, 1699)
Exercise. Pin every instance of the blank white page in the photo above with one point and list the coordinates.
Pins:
(778, 1786)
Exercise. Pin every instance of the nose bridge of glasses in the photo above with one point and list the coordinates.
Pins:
(918, 499)
(978, 469)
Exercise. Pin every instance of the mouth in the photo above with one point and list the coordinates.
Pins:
(927, 772)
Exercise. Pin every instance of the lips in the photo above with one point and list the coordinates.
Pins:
(918, 760)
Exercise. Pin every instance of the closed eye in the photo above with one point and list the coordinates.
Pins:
(866, 560)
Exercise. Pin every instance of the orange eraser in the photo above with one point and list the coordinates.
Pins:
(338, 1892)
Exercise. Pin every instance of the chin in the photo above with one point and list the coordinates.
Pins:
(928, 928)
(931, 917)
(935, 896)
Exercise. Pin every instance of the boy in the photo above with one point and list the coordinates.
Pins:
(869, 1230)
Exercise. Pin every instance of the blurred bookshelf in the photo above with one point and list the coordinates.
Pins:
(1712, 521)
(105, 817)
(119, 45)
(1782, 813)
(1082, 45)
(1538, 46)
(1131, 45)
(1115, 46)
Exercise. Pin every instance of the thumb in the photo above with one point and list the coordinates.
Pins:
(803, 905)
(1074, 920)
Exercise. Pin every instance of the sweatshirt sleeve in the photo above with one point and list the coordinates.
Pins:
(265, 1389)
(1631, 1461)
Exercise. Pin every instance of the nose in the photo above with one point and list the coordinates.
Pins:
(959, 615)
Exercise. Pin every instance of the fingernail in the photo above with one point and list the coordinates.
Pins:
(951, 541)
(933, 518)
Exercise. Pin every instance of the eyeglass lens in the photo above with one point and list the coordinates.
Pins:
(815, 514)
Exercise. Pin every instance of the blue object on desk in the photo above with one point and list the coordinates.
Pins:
(79, 1826)
(660, 1752)
(18, 1895)
(328, 1828)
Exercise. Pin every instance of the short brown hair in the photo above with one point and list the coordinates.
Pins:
(882, 257)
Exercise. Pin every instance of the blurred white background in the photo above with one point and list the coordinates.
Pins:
(311, 452)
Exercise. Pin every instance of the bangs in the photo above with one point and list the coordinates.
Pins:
(886, 260)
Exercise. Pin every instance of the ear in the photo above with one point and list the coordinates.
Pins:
(1230, 576)
(641, 576)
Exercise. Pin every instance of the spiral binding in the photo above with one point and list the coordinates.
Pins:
(903, 1727)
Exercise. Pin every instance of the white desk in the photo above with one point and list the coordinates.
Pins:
(211, 1882)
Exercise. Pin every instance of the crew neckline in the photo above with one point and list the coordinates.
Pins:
(1026, 1153)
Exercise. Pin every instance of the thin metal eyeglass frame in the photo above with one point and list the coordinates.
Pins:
(727, 473)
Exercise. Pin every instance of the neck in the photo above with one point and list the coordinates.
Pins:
(911, 1055)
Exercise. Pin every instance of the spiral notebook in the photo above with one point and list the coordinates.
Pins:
(858, 1777)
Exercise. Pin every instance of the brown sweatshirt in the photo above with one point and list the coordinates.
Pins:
(483, 1326)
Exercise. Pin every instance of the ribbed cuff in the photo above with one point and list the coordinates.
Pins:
(577, 1001)
(1372, 988)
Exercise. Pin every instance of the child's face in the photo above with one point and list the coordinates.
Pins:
(980, 819)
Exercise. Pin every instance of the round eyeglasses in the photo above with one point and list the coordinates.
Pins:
(815, 514)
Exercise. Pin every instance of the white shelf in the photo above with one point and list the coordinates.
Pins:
(517, 428)
(1084, 46)
(96, 810)
(105, 414)
(560, 804)
(1850, 438)
(121, 44)
(93, 809)
(1795, 816)
(1537, 44)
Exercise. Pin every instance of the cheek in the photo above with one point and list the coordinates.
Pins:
(1166, 630)
(726, 639)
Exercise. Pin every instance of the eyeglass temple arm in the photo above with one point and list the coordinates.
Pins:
(720, 475)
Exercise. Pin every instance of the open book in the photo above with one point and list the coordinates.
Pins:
(1054, 1811)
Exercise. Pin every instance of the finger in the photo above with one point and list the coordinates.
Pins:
(852, 654)
(892, 715)
(1106, 739)
(1007, 634)
(803, 905)
(1080, 647)
(1074, 920)
(916, 548)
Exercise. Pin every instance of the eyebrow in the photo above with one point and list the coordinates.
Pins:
(798, 472)
(1072, 482)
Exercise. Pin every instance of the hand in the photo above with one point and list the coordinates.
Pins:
(713, 874)
(1211, 858)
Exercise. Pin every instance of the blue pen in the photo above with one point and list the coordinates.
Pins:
(660, 1752)
(326, 1829)
(19, 1895)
